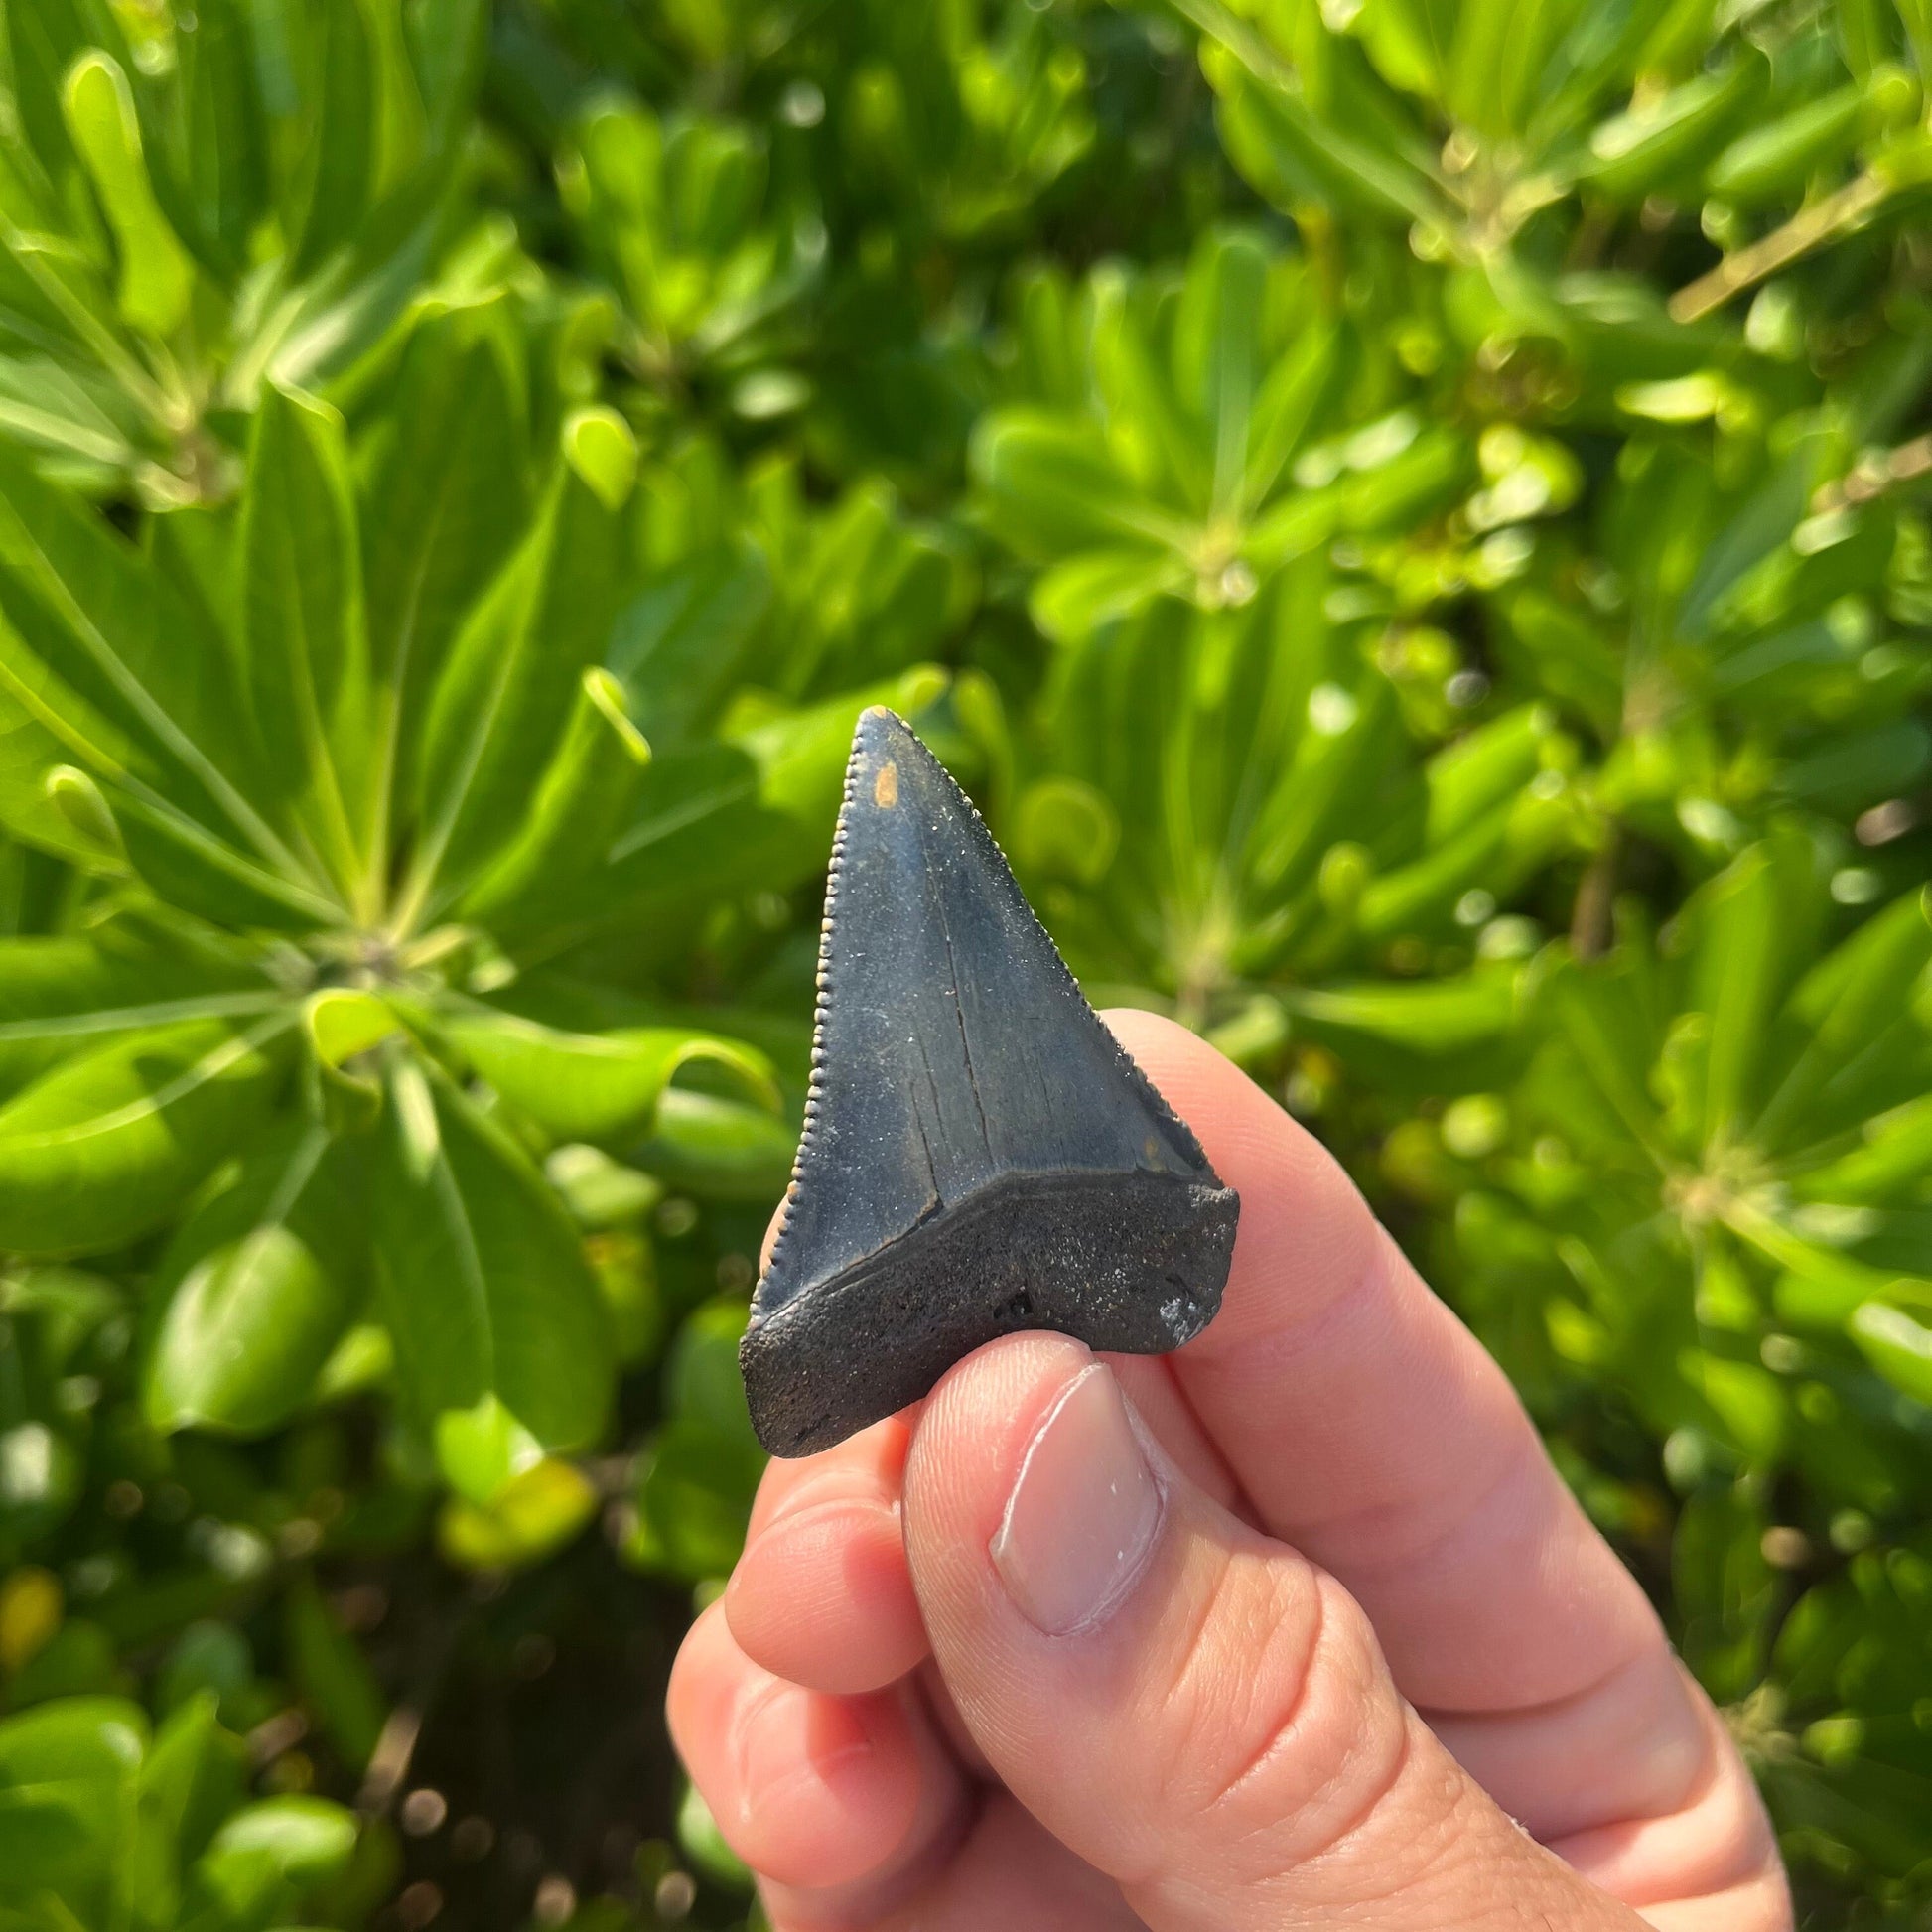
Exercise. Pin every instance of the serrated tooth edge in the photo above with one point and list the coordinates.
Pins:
(814, 1092)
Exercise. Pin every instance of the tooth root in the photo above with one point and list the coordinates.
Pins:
(979, 1153)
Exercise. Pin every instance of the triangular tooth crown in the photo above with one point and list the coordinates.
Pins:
(979, 1153)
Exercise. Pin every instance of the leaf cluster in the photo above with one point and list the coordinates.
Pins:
(1411, 520)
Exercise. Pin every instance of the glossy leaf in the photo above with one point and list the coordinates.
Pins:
(1461, 641)
(480, 1276)
(156, 273)
(304, 625)
(595, 1086)
(679, 643)
(103, 650)
(66, 1791)
(256, 1290)
(445, 505)
(504, 695)
(274, 1851)
(581, 802)
(104, 1146)
(60, 996)
(752, 807)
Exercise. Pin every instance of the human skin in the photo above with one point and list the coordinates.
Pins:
(1294, 1628)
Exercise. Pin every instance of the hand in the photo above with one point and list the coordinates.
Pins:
(1283, 1631)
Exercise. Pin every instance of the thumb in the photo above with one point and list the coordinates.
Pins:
(1184, 1703)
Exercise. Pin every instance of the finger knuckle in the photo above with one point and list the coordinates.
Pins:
(1278, 1757)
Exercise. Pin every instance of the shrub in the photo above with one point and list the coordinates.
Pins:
(1412, 523)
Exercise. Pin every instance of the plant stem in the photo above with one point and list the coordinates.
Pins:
(1834, 215)
(1590, 917)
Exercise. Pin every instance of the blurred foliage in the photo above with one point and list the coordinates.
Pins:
(1415, 521)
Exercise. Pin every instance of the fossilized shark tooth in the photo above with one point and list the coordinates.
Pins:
(979, 1154)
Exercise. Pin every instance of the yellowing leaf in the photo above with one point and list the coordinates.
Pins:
(532, 1517)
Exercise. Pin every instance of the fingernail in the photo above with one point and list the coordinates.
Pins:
(1083, 1513)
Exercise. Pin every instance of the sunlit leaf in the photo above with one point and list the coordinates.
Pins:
(104, 1146)
(480, 1276)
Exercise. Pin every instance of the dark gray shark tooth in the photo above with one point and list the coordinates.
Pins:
(979, 1153)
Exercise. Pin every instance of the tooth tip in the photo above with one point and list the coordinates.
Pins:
(878, 724)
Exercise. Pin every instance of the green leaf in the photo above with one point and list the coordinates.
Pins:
(1603, 1023)
(718, 1148)
(447, 43)
(531, 1517)
(581, 800)
(863, 591)
(1896, 1152)
(343, 1023)
(52, 409)
(698, 1478)
(1219, 357)
(1898, 1347)
(245, 1333)
(85, 806)
(1336, 759)
(482, 1448)
(109, 657)
(107, 1145)
(272, 1852)
(1761, 526)
(37, 805)
(444, 507)
(1499, 52)
(1776, 157)
(600, 446)
(692, 1499)
(194, 1774)
(333, 179)
(479, 1275)
(1854, 999)
(1065, 829)
(1728, 1590)
(1738, 986)
(1425, 892)
(505, 694)
(157, 276)
(595, 1086)
(1484, 770)
(1636, 153)
(1292, 400)
(1079, 598)
(701, 1382)
(307, 648)
(754, 810)
(1570, 658)
(1441, 1017)
(64, 996)
(66, 1788)
(67, 1305)
(1054, 487)
(187, 868)
(1748, 1400)
(678, 644)
(220, 164)
(1296, 157)
(335, 1678)
(256, 1291)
